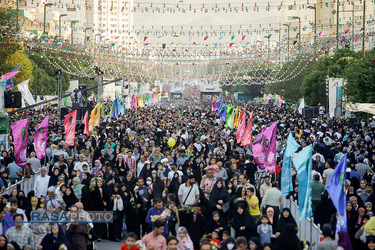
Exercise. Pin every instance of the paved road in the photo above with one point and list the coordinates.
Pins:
(109, 245)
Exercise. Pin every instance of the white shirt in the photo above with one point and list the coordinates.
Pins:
(78, 166)
(41, 185)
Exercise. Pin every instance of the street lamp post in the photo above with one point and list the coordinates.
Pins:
(337, 25)
(71, 27)
(62, 15)
(299, 31)
(268, 48)
(45, 14)
(288, 25)
(18, 24)
(315, 31)
(86, 35)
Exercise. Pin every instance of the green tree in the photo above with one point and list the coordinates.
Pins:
(26, 69)
(360, 85)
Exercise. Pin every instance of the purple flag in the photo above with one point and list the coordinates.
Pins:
(270, 161)
(40, 138)
(214, 107)
(20, 134)
(259, 149)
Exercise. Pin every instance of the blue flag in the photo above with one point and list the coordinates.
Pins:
(121, 107)
(115, 108)
(303, 164)
(286, 171)
(222, 112)
(336, 189)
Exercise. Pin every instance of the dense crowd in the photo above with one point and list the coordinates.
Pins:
(205, 192)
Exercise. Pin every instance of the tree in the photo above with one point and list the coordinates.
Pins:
(26, 69)
(360, 85)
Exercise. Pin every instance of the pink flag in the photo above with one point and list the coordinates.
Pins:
(70, 127)
(86, 122)
(214, 107)
(246, 135)
(270, 161)
(40, 139)
(259, 149)
(10, 74)
(280, 102)
(241, 126)
(356, 39)
(243, 37)
(20, 134)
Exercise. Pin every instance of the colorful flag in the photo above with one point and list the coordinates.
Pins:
(248, 132)
(10, 83)
(20, 135)
(95, 117)
(303, 163)
(270, 161)
(336, 188)
(222, 112)
(70, 127)
(86, 122)
(241, 126)
(230, 116)
(286, 171)
(259, 150)
(40, 138)
(214, 106)
(236, 119)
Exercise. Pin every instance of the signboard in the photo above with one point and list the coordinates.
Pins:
(335, 96)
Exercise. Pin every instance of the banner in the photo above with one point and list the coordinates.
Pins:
(247, 134)
(286, 171)
(361, 107)
(336, 187)
(70, 127)
(259, 150)
(20, 134)
(40, 139)
(241, 127)
(26, 94)
(303, 164)
(86, 122)
(95, 117)
(301, 106)
(270, 161)
(230, 116)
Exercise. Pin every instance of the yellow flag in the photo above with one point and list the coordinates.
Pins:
(235, 121)
(95, 117)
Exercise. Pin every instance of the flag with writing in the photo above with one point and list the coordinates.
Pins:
(86, 122)
(259, 150)
(246, 136)
(303, 163)
(70, 127)
(40, 138)
(336, 187)
(230, 116)
(95, 117)
(241, 126)
(20, 134)
(286, 171)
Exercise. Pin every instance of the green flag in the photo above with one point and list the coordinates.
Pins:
(102, 108)
(53, 93)
(230, 116)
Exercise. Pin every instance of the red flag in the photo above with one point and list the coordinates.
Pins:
(70, 127)
(145, 38)
(246, 136)
(231, 44)
(241, 127)
(86, 122)
(205, 38)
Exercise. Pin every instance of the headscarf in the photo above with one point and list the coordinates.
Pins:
(270, 218)
(288, 238)
(283, 221)
(344, 240)
(218, 194)
(187, 240)
(6, 242)
(96, 170)
(70, 199)
(243, 219)
(359, 221)
(77, 189)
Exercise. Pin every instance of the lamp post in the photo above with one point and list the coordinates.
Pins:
(337, 25)
(85, 33)
(62, 15)
(314, 8)
(299, 31)
(353, 22)
(268, 48)
(364, 27)
(288, 36)
(45, 14)
(18, 24)
(71, 27)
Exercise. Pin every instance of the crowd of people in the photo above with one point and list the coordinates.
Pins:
(205, 192)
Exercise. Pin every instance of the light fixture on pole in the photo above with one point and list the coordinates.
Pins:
(85, 33)
(299, 31)
(288, 25)
(71, 27)
(45, 14)
(315, 31)
(62, 15)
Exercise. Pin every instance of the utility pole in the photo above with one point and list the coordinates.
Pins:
(288, 25)
(353, 22)
(299, 32)
(45, 15)
(337, 25)
(71, 29)
(364, 27)
(18, 24)
(100, 88)
(62, 15)
(59, 83)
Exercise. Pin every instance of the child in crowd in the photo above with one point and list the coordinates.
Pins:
(130, 242)
(215, 242)
(264, 230)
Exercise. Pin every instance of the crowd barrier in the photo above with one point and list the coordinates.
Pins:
(307, 227)
(26, 185)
